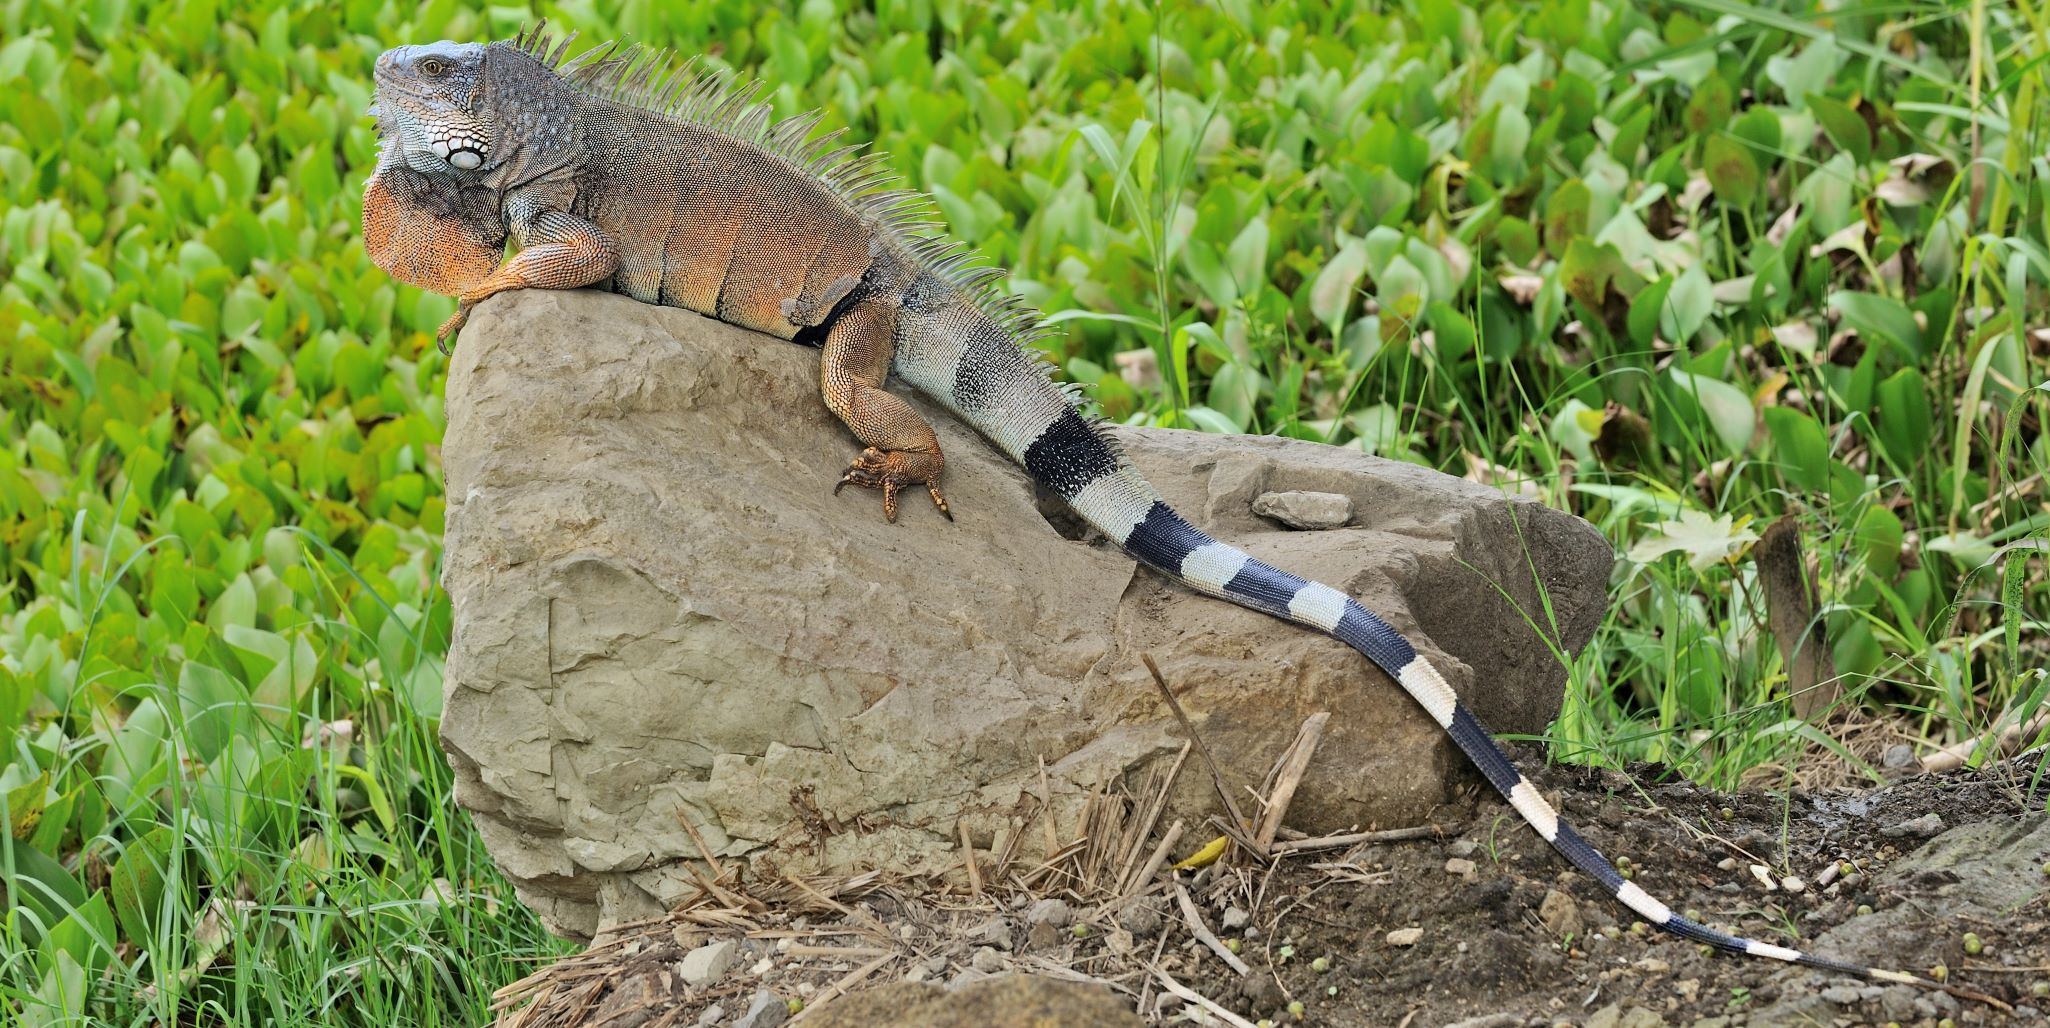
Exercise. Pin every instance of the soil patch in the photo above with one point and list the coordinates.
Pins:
(1479, 924)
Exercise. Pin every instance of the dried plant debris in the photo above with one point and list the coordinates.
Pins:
(1474, 922)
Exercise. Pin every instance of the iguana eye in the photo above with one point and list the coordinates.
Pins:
(433, 66)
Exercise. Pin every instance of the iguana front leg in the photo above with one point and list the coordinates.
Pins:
(902, 449)
(557, 251)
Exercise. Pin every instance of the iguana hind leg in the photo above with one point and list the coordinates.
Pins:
(902, 449)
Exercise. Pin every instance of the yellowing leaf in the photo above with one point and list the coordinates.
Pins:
(1206, 856)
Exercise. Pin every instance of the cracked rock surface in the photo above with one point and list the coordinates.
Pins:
(662, 614)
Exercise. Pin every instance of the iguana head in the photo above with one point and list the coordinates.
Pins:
(430, 106)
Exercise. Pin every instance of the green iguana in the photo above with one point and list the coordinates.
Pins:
(613, 169)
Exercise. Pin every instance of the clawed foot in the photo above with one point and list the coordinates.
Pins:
(891, 471)
(454, 324)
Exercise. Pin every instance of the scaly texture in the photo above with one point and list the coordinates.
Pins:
(677, 189)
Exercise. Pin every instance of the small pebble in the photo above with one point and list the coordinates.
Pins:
(994, 932)
(1467, 847)
(1793, 884)
(712, 1015)
(1141, 917)
(704, 965)
(1560, 915)
(1050, 911)
(1920, 828)
(1235, 919)
(1459, 866)
(765, 1010)
(1401, 937)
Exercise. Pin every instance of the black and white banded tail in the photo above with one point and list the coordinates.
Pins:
(968, 348)
(1072, 458)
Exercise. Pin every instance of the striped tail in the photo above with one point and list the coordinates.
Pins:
(1072, 458)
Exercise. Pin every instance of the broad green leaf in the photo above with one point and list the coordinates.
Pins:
(42, 885)
(1731, 170)
(1800, 449)
(212, 707)
(1688, 306)
(1646, 310)
(1907, 421)
(137, 882)
(1881, 317)
(1760, 128)
(1726, 408)
(1246, 258)
(1879, 536)
(1846, 127)
(1331, 294)
(86, 935)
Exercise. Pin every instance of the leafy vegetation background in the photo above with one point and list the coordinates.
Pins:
(1682, 268)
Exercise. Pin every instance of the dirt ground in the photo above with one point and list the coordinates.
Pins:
(1482, 926)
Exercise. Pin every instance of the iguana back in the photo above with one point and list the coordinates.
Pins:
(675, 189)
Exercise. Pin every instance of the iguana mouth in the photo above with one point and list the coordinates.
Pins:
(465, 152)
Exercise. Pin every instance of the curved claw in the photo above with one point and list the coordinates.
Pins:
(890, 471)
(449, 328)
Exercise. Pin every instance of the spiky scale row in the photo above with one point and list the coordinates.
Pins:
(958, 337)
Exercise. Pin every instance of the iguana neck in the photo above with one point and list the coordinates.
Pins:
(535, 118)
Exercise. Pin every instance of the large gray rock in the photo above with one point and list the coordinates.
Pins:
(663, 613)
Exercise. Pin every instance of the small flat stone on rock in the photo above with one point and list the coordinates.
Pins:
(1235, 919)
(704, 965)
(1898, 756)
(1459, 866)
(1405, 936)
(765, 1010)
(1920, 828)
(1305, 510)
(1841, 995)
